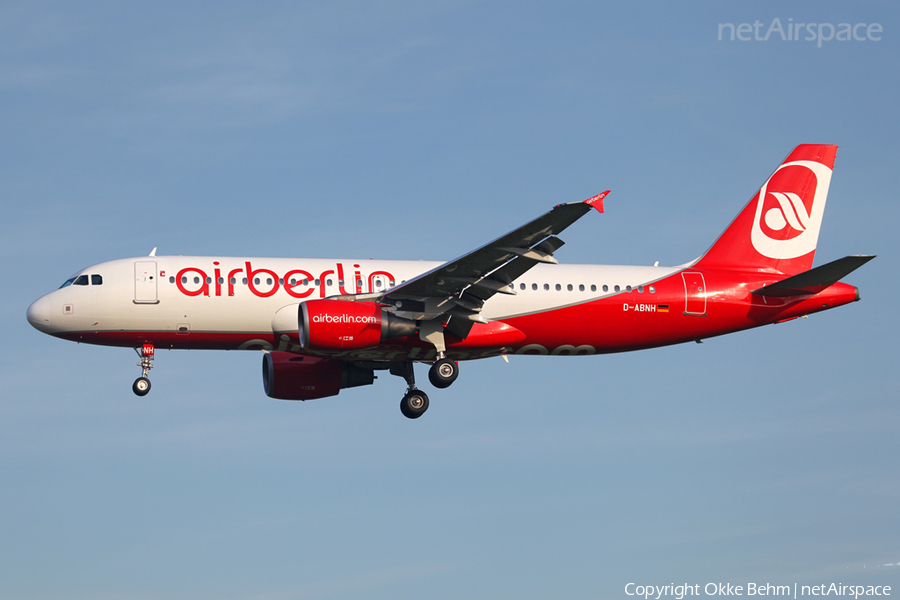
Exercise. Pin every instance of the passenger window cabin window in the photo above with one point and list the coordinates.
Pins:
(546, 287)
(605, 288)
(617, 288)
(627, 288)
(640, 289)
(81, 280)
(593, 287)
(172, 279)
(268, 281)
(328, 283)
(244, 281)
(534, 286)
(581, 287)
(96, 280)
(652, 289)
(569, 287)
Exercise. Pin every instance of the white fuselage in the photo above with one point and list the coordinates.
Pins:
(194, 296)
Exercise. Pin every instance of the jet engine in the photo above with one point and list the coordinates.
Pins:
(289, 376)
(345, 325)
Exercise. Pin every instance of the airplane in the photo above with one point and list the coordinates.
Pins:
(324, 325)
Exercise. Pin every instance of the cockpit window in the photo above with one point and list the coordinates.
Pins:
(83, 280)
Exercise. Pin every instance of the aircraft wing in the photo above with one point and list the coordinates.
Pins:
(460, 287)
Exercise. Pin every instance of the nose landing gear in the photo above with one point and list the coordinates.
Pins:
(141, 385)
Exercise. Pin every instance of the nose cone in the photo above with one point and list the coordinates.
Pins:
(38, 314)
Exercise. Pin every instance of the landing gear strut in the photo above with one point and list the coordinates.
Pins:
(415, 401)
(142, 384)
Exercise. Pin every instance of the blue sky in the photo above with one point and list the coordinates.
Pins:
(413, 130)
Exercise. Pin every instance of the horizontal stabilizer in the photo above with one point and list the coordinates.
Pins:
(815, 280)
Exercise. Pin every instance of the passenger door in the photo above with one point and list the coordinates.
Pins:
(145, 282)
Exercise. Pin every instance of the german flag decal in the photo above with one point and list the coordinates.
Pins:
(662, 308)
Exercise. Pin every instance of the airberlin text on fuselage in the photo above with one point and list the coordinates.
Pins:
(298, 283)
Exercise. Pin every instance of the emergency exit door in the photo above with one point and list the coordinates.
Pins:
(694, 294)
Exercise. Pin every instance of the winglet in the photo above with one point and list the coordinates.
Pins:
(597, 201)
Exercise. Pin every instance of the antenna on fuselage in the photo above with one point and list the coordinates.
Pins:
(153, 252)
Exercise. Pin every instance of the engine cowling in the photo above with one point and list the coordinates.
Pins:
(289, 376)
(345, 325)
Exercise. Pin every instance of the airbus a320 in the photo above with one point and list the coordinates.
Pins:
(325, 325)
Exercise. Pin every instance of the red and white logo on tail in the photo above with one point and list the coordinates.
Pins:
(787, 222)
(778, 229)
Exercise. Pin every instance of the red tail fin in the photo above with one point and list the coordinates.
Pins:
(778, 230)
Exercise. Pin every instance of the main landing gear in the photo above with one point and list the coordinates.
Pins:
(141, 385)
(443, 372)
(415, 402)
